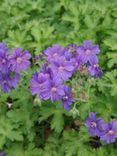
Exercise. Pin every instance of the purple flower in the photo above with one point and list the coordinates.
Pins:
(95, 70)
(20, 60)
(62, 68)
(93, 124)
(71, 54)
(70, 51)
(54, 90)
(47, 70)
(15, 79)
(39, 81)
(109, 132)
(88, 52)
(67, 98)
(4, 58)
(7, 81)
(78, 62)
(53, 52)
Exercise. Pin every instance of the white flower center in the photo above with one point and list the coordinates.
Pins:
(53, 89)
(40, 85)
(93, 124)
(4, 61)
(55, 55)
(96, 65)
(61, 68)
(4, 82)
(71, 49)
(111, 132)
(65, 98)
(88, 52)
(19, 60)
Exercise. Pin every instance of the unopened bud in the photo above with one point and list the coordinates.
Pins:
(74, 112)
(37, 101)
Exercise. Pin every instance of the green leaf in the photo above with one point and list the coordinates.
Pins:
(57, 115)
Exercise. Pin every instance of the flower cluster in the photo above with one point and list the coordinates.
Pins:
(61, 63)
(105, 131)
(11, 65)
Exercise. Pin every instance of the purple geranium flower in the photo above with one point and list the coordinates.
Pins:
(70, 51)
(4, 58)
(67, 98)
(7, 81)
(93, 124)
(71, 54)
(62, 68)
(47, 70)
(54, 90)
(88, 52)
(15, 79)
(95, 70)
(53, 52)
(20, 60)
(109, 132)
(39, 81)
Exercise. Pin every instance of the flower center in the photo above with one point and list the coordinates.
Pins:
(4, 61)
(65, 98)
(96, 65)
(72, 50)
(53, 89)
(111, 132)
(4, 82)
(93, 124)
(55, 55)
(88, 52)
(19, 60)
(40, 85)
(61, 68)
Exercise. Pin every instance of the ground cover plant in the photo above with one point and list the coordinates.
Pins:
(58, 78)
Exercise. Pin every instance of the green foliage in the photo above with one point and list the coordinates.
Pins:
(30, 127)
(57, 114)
